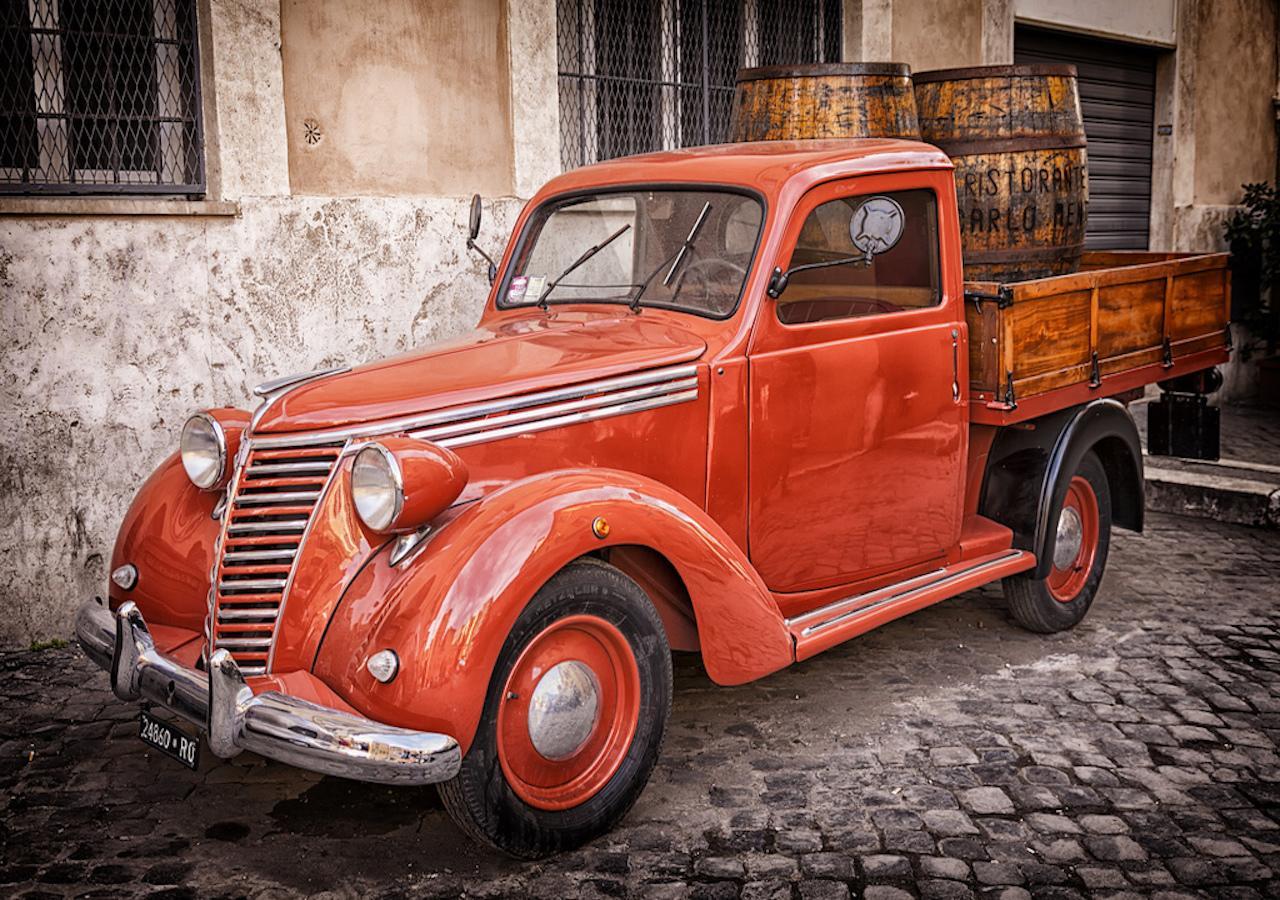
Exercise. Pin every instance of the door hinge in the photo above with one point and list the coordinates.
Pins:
(1002, 298)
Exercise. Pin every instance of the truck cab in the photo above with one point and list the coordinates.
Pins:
(719, 400)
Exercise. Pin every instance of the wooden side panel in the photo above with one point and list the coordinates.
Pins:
(1130, 317)
(1050, 341)
(1198, 303)
(1049, 329)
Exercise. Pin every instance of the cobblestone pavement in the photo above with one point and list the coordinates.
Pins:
(946, 755)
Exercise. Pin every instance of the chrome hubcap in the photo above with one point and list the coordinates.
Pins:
(1066, 548)
(563, 709)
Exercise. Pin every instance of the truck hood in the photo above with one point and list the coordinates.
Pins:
(501, 359)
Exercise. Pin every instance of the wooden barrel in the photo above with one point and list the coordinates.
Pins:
(827, 100)
(1017, 139)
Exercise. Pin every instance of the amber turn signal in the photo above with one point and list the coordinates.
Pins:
(399, 484)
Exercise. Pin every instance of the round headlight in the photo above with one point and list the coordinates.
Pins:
(204, 450)
(377, 487)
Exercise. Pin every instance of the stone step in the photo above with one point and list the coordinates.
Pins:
(1243, 493)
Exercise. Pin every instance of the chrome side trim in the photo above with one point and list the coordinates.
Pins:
(441, 433)
(861, 604)
(272, 724)
(474, 410)
(603, 412)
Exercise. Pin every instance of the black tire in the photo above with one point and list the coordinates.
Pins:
(480, 799)
(1030, 599)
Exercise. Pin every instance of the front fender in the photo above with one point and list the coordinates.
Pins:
(448, 611)
(169, 534)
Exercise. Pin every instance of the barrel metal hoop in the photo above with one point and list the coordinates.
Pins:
(971, 72)
(825, 70)
(1057, 251)
(983, 147)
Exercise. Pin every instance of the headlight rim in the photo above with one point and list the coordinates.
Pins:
(397, 481)
(220, 438)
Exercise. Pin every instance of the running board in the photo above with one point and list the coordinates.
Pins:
(836, 622)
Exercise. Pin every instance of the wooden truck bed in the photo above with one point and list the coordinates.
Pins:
(1125, 320)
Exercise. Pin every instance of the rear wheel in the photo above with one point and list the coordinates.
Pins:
(574, 719)
(1082, 537)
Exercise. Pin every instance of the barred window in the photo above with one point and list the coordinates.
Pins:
(99, 96)
(642, 75)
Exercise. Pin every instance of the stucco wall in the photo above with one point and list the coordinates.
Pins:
(937, 34)
(113, 331)
(397, 97)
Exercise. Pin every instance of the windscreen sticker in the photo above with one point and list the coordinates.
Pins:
(517, 289)
(535, 286)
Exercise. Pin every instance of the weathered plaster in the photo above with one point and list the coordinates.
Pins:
(535, 93)
(113, 331)
(401, 97)
(249, 97)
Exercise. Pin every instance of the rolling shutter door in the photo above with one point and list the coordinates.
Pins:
(1117, 97)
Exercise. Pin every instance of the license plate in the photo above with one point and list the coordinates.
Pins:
(169, 740)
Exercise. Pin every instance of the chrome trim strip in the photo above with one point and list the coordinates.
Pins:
(542, 412)
(603, 412)
(272, 385)
(236, 643)
(302, 543)
(272, 724)
(474, 410)
(860, 605)
(259, 527)
(282, 498)
(257, 584)
(239, 615)
(246, 555)
(292, 468)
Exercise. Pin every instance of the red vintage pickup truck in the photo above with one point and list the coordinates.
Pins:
(734, 400)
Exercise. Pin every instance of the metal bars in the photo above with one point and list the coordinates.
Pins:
(100, 96)
(659, 74)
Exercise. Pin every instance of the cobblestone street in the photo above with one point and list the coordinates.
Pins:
(948, 754)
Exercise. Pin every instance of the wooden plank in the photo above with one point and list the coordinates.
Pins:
(1046, 338)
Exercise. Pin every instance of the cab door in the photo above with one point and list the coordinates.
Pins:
(858, 429)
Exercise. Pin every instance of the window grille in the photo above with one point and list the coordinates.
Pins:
(100, 96)
(642, 75)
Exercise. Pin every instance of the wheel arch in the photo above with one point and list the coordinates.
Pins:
(449, 609)
(1030, 466)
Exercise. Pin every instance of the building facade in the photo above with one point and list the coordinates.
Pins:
(197, 195)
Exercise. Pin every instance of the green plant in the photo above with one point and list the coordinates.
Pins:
(50, 644)
(1253, 234)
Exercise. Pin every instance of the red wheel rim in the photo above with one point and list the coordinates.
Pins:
(1077, 541)
(594, 658)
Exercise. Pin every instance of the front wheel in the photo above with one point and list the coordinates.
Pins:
(574, 719)
(1082, 538)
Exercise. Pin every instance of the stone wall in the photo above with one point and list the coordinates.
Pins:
(119, 317)
(113, 331)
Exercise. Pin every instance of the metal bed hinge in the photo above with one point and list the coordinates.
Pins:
(1095, 374)
(1010, 398)
(1167, 359)
(1002, 298)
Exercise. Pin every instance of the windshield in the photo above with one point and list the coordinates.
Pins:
(683, 249)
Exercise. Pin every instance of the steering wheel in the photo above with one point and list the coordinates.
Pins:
(703, 270)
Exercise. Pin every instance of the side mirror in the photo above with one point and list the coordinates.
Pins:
(473, 231)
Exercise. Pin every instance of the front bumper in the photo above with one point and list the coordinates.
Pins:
(271, 724)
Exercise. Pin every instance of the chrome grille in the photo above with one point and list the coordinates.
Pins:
(273, 498)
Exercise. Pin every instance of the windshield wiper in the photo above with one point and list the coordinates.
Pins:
(674, 259)
(542, 298)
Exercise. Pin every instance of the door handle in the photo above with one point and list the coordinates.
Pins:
(955, 365)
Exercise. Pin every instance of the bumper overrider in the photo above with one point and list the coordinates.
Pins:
(271, 724)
